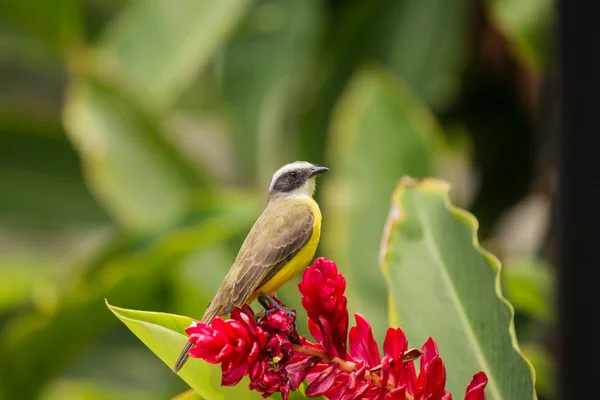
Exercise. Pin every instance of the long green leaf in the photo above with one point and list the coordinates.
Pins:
(164, 335)
(262, 69)
(156, 48)
(37, 161)
(432, 61)
(131, 169)
(379, 132)
(444, 285)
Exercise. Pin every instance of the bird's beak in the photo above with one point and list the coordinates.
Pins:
(318, 170)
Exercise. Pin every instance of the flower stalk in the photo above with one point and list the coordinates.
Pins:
(349, 366)
(343, 365)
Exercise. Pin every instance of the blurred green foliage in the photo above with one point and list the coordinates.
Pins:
(137, 139)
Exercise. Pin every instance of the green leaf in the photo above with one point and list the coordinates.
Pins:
(444, 285)
(431, 62)
(262, 69)
(164, 335)
(379, 132)
(90, 389)
(188, 395)
(37, 161)
(529, 288)
(24, 279)
(127, 270)
(155, 48)
(527, 26)
(47, 340)
(58, 23)
(545, 368)
(131, 169)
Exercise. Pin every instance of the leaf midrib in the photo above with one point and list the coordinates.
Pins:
(470, 333)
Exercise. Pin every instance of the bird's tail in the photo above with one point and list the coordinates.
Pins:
(209, 314)
(183, 356)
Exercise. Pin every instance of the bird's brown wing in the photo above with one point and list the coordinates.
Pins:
(277, 236)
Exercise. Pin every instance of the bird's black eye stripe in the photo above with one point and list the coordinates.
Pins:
(290, 180)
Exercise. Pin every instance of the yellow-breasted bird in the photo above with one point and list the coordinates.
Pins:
(280, 245)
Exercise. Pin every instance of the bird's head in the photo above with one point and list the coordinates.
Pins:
(296, 179)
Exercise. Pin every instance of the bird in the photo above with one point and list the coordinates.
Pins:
(280, 244)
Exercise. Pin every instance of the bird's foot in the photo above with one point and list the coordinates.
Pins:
(272, 304)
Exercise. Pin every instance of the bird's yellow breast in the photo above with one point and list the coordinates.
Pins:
(300, 260)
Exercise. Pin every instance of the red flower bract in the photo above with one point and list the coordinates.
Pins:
(245, 347)
(322, 288)
(475, 390)
(275, 358)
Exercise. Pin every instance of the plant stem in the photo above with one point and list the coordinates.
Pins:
(346, 366)
(349, 366)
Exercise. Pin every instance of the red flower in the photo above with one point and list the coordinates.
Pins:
(235, 343)
(395, 346)
(322, 288)
(244, 347)
(475, 390)
(369, 377)
(432, 379)
(275, 358)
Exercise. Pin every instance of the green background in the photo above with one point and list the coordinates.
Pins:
(137, 139)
